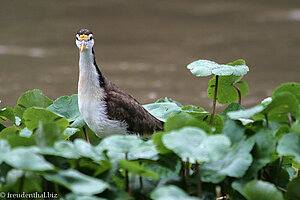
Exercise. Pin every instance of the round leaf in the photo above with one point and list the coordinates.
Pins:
(207, 68)
(163, 110)
(226, 92)
(289, 145)
(32, 98)
(33, 116)
(118, 145)
(260, 190)
(77, 182)
(170, 192)
(27, 159)
(192, 143)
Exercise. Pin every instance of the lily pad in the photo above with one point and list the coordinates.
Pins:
(77, 182)
(33, 116)
(67, 106)
(193, 144)
(136, 148)
(292, 87)
(135, 168)
(170, 192)
(207, 68)
(289, 145)
(27, 159)
(260, 190)
(162, 111)
(293, 189)
(234, 164)
(227, 93)
(32, 98)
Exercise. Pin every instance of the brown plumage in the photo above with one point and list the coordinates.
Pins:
(123, 107)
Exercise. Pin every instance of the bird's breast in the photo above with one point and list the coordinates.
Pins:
(93, 108)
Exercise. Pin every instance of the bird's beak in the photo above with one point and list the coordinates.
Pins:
(82, 46)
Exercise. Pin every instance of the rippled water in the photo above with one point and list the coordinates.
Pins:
(144, 47)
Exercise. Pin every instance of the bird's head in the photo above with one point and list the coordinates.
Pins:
(84, 40)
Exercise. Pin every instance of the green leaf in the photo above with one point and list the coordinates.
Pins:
(292, 87)
(192, 143)
(226, 92)
(207, 68)
(33, 116)
(4, 149)
(9, 131)
(234, 131)
(86, 150)
(245, 114)
(7, 114)
(231, 107)
(169, 100)
(260, 190)
(31, 98)
(118, 145)
(282, 103)
(47, 134)
(263, 150)
(30, 181)
(135, 168)
(72, 196)
(184, 119)
(77, 182)
(162, 111)
(193, 109)
(218, 123)
(289, 145)
(293, 189)
(296, 127)
(234, 164)
(67, 106)
(63, 149)
(157, 140)
(27, 159)
(237, 62)
(170, 192)
(69, 132)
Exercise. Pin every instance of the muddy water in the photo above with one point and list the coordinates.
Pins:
(144, 46)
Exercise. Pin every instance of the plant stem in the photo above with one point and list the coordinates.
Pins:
(240, 94)
(267, 120)
(214, 101)
(126, 175)
(22, 183)
(182, 169)
(187, 177)
(199, 184)
(278, 170)
(141, 183)
(86, 135)
(290, 119)
(131, 187)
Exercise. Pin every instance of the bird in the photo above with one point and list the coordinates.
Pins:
(105, 108)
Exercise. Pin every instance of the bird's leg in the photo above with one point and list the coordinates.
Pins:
(86, 135)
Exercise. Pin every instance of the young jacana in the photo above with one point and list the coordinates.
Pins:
(106, 109)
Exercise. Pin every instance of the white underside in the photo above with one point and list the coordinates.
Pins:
(91, 101)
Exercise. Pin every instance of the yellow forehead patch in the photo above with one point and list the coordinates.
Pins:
(83, 36)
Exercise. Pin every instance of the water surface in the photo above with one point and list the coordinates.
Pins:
(144, 46)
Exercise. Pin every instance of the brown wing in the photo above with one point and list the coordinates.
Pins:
(123, 107)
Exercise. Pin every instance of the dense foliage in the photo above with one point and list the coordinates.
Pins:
(251, 154)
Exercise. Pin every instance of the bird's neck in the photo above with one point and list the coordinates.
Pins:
(89, 72)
